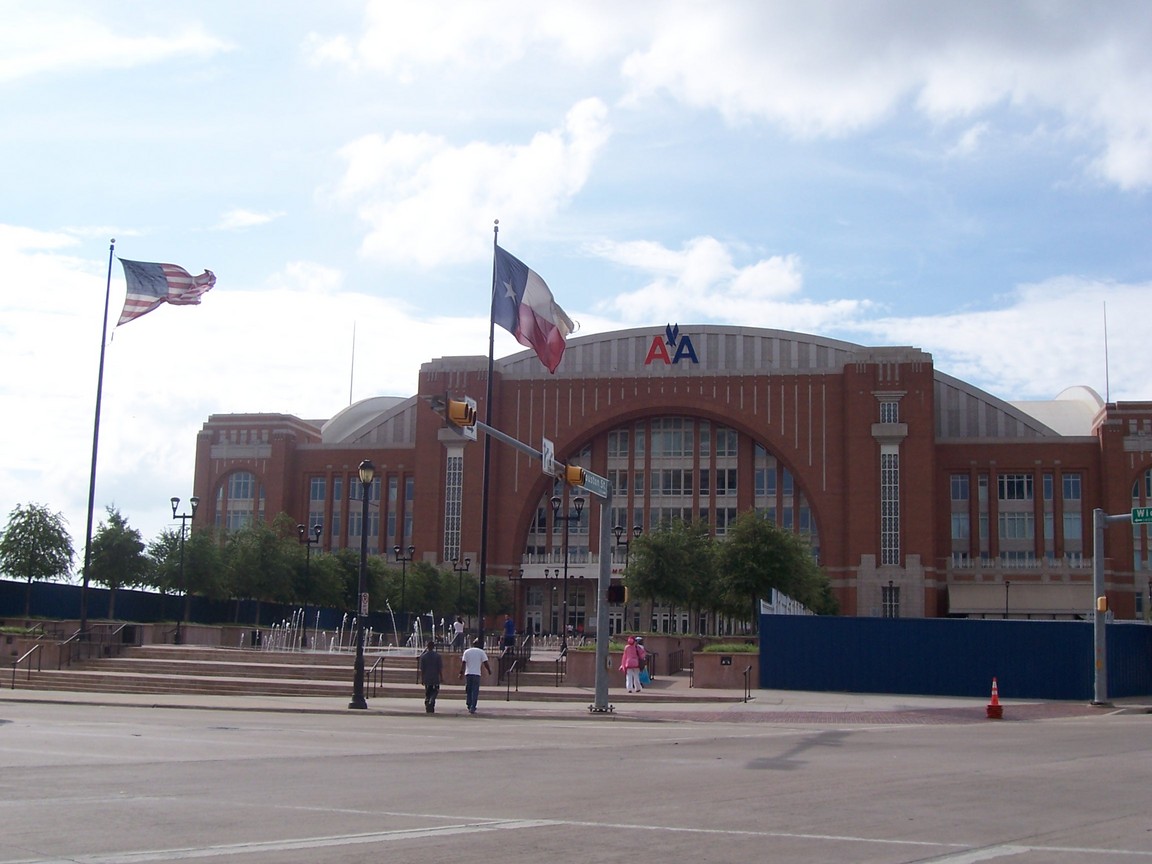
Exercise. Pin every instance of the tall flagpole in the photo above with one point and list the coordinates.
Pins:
(352, 368)
(1107, 379)
(488, 418)
(95, 446)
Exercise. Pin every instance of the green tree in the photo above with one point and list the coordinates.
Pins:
(260, 563)
(164, 553)
(667, 565)
(757, 556)
(117, 557)
(35, 545)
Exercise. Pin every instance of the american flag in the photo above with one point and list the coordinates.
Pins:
(149, 285)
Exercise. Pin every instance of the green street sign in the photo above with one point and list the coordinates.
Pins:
(1141, 515)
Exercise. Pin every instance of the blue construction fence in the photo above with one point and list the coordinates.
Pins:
(60, 601)
(951, 657)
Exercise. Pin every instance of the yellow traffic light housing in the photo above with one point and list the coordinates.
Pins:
(461, 414)
(574, 475)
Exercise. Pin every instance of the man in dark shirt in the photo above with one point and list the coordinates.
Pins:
(431, 671)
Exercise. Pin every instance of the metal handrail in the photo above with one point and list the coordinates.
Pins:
(747, 685)
(376, 675)
(35, 649)
(514, 668)
(561, 667)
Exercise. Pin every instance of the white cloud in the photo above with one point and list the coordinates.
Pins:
(406, 40)
(1043, 338)
(824, 68)
(289, 349)
(702, 282)
(238, 219)
(428, 201)
(36, 40)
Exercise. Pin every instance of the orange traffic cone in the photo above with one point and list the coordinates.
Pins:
(995, 709)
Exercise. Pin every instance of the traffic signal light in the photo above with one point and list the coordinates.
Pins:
(617, 594)
(461, 413)
(574, 475)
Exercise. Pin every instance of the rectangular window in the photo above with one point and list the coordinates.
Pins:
(1017, 525)
(889, 411)
(619, 481)
(1072, 530)
(240, 485)
(890, 600)
(725, 517)
(317, 490)
(726, 481)
(317, 497)
(889, 508)
(337, 511)
(409, 508)
(705, 482)
(959, 487)
(618, 444)
(453, 496)
(391, 510)
(1071, 484)
(960, 526)
(1015, 487)
(725, 441)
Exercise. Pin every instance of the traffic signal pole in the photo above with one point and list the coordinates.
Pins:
(601, 487)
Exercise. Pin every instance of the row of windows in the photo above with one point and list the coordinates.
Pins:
(240, 501)
(672, 437)
(1018, 487)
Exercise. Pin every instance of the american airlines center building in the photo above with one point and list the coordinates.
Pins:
(920, 494)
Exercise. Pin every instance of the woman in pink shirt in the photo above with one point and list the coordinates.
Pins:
(630, 666)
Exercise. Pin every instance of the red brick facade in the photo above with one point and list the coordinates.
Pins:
(865, 449)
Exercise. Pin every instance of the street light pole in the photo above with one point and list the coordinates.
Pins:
(309, 543)
(1007, 584)
(460, 571)
(515, 580)
(367, 472)
(193, 503)
(403, 576)
(578, 503)
(618, 532)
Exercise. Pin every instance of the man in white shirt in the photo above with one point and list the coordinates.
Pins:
(471, 662)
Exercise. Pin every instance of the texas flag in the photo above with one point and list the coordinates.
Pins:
(523, 305)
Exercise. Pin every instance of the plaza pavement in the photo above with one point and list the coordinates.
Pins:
(669, 699)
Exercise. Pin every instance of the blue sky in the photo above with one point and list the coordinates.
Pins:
(971, 178)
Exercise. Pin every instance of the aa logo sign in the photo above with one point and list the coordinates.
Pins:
(671, 348)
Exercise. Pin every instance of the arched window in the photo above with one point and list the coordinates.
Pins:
(239, 500)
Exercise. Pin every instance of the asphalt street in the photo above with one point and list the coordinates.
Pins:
(131, 783)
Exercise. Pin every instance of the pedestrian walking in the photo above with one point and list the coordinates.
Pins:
(642, 654)
(431, 665)
(458, 633)
(630, 666)
(471, 662)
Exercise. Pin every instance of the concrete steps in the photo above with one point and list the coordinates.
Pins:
(171, 669)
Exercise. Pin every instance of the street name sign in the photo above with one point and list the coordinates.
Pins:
(596, 484)
(1141, 515)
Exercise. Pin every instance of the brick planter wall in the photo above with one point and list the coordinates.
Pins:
(710, 672)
